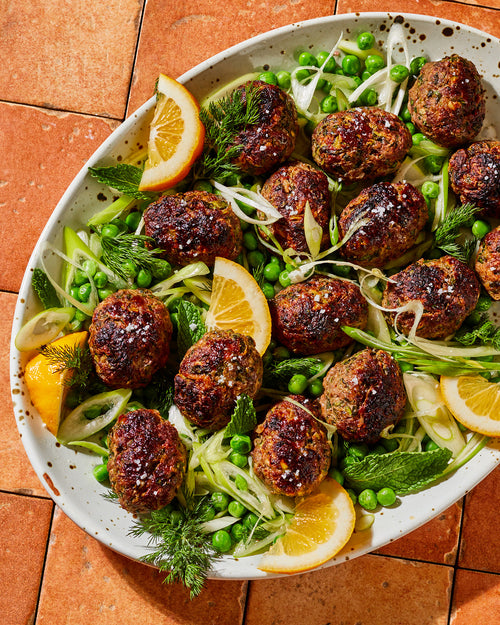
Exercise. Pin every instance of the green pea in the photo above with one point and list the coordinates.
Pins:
(100, 279)
(100, 472)
(358, 450)
(240, 483)
(75, 292)
(284, 79)
(339, 71)
(221, 541)
(268, 77)
(433, 164)
(329, 104)
(80, 277)
(327, 87)
(367, 499)
(316, 388)
(365, 41)
(284, 278)
(306, 58)
(236, 509)
(391, 444)
(369, 97)
(144, 278)
(268, 290)
(176, 517)
(399, 73)
(405, 115)
(241, 443)
(357, 80)
(92, 412)
(272, 271)
(297, 384)
(431, 446)
(417, 138)
(330, 66)
(238, 531)
(352, 495)
(104, 293)
(365, 74)
(336, 475)
(348, 461)
(120, 224)
(80, 315)
(480, 228)
(219, 501)
(209, 514)
(351, 64)
(84, 292)
(130, 268)
(281, 353)
(256, 258)
(275, 260)
(374, 62)
(240, 460)
(302, 74)
(417, 64)
(378, 450)
(430, 189)
(411, 127)
(203, 185)
(483, 303)
(133, 220)
(90, 267)
(386, 496)
(161, 269)
(250, 241)
(109, 231)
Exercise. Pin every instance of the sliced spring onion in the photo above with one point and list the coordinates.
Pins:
(441, 204)
(189, 271)
(112, 211)
(95, 448)
(43, 328)
(313, 232)
(253, 199)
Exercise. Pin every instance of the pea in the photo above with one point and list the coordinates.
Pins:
(256, 258)
(351, 64)
(374, 62)
(250, 520)
(302, 74)
(483, 303)
(203, 185)
(75, 292)
(109, 231)
(144, 278)
(433, 164)
(272, 271)
(104, 293)
(84, 292)
(120, 224)
(411, 127)
(130, 268)
(80, 315)
(430, 189)
(209, 514)
(431, 446)
(357, 80)
(417, 64)
(219, 501)
(336, 475)
(80, 277)
(241, 443)
(161, 269)
(275, 260)
(365, 41)
(399, 73)
(250, 241)
(176, 517)
(352, 495)
(480, 228)
(221, 541)
(284, 79)
(348, 461)
(405, 115)
(100, 279)
(100, 472)
(391, 444)
(378, 450)
(358, 450)
(386, 496)
(417, 138)
(92, 412)
(306, 58)
(284, 278)
(327, 87)
(281, 353)
(365, 74)
(367, 499)
(316, 388)
(240, 483)
(132, 220)
(236, 509)
(240, 460)
(330, 64)
(238, 531)
(328, 104)
(268, 290)
(297, 384)
(268, 77)
(369, 97)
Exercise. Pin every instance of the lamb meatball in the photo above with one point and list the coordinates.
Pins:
(217, 369)
(129, 338)
(363, 395)
(289, 189)
(396, 213)
(360, 144)
(488, 263)
(193, 226)
(271, 140)
(475, 176)
(447, 102)
(146, 462)
(447, 288)
(307, 317)
(291, 453)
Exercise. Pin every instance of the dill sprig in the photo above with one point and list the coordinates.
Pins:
(447, 233)
(279, 372)
(126, 249)
(486, 332)
(72, 358)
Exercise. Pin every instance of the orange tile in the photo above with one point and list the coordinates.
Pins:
(109, 589)
(74, 56)
(176, 37)
(46, 150)
(24, 531)
(436, 541)
(476, 599)
(371, 589)
(481, 524)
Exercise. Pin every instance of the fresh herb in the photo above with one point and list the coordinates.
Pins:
(243, 419)
(72, 358)
(278, 373)
(128, 251)
(182, 547)
(122, 177)
(405, 472)
(487, 332)
(447, 233)
(258, 274)
(44, 289)
(190, 326)
(160, 392)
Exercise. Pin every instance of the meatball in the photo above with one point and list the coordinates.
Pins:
(146, 462)
(291, 452)
(271, 140)
(363, 395)
(129, 338)
(475, 176)
(447, 102)
(447, 288)
(193, 226)
(307, 317)
(360, 144)
(217, 369)
(289, 189)
(488, 263)
(396, 213)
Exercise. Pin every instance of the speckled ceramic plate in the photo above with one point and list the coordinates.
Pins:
(66, 474)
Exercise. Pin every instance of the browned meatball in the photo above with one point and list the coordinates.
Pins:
(291, 452)
(475, 176)
(271, 140)
(488, 263)
(446, 102)
(129, 338)
(193, 226)
(447, 288)
(363, 395)
(217, 369)
(307, 317)
(360, 144)
(289, 189)
(396, 213)
(146, 461)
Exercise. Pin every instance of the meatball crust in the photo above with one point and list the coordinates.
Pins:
(193, 226)
(291, 453)
(360, 144)
(217, 369)
(488, 263)
(289, 189)
(447, 288)
(363, 395)
(129, 338)
(271, 140)
(307, 317)
(146, 462)
(447, 102)
(396, 213)
(475, 176)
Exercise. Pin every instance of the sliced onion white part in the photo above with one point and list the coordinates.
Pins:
(253, 199)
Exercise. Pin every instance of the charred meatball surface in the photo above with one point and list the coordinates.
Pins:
(217, 369)
(363, 395)
(271, 140)
(129, 338)
(289, 189)
(447, 288)
(396, 213)
(447, 102)
(307, 317)
(291, 453)
(146, 462)
(193, 226)
(360, 144)
(475, 176)
(488, 263)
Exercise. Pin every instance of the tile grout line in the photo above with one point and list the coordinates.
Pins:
(61, 110)
(42, 574)
(455, 566)
(136, 51)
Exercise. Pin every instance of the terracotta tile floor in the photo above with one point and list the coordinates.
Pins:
(70, 74)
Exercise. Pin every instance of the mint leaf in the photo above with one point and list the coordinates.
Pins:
(122, 177)
(244, 417)
(191, 326)
(405, 472)
(44, 289)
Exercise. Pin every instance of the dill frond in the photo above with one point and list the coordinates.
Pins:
(118, 252)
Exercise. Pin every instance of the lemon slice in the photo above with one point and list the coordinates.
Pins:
(322, 525)
(46, 385)
(238, 303)
(176, 136)
(474, 402)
